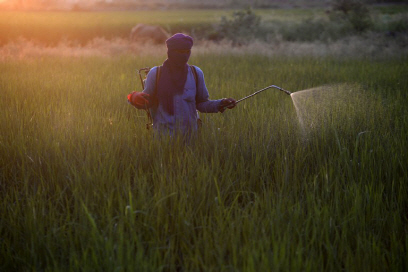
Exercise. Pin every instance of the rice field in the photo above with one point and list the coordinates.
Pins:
(315, 181)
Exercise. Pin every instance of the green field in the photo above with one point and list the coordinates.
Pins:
(85, 187)
(51, 28)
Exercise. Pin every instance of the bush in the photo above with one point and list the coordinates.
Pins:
(311, 29)
(242, 27)
(353, 11)
(399, 24)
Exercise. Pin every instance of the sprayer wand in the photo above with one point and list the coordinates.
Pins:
(264, 89)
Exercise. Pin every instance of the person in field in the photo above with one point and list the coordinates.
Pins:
(175, 91)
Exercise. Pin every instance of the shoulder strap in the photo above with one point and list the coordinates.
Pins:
(193, 68)
(158, 71)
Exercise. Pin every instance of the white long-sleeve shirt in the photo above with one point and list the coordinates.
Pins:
(194, 97)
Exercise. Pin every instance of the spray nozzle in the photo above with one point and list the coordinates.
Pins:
(283, 90)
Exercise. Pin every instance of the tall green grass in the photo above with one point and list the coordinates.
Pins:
(84, 186)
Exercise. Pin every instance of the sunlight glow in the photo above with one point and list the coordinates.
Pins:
(44, 4)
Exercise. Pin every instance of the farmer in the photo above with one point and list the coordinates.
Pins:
(179, 93)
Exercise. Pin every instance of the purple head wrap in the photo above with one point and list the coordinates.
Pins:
(179, 41)
(174, 73)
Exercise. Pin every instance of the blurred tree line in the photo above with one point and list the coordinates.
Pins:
(342, 18)
(174, 4)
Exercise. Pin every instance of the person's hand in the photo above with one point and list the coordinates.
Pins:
(139, 100)
(227, 103)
